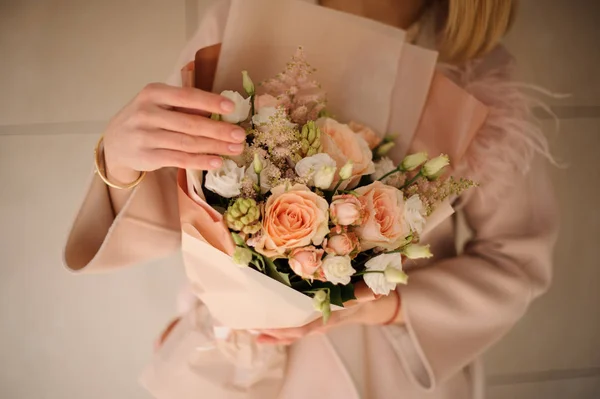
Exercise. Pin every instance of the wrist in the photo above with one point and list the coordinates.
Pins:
(383, 311)
(118, 173)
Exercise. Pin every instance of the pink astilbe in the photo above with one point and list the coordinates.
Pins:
(302, 97)
(278, 139)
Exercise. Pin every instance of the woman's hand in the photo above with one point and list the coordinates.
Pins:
(365, 310)
(167, 126)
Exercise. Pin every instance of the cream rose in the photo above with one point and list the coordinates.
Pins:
(368, 134)
(306, 261)
(338, 269)
(384, 225)
(293, 218)
(343, 145)
(319, 169)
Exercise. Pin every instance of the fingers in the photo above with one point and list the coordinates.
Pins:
(198, 126)
(186, 97)
(192, 144)
(363, 294)
(184, 160)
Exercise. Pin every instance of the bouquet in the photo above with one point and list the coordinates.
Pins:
(314, 203)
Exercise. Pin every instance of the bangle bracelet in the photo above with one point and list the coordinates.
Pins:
(100, 169)
(396, 310)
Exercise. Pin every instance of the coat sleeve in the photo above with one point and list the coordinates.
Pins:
(148, 226)
(455, 309)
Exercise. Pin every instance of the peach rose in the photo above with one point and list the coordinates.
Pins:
(343, 145)
(384, 224)
(306, 261)
(293, 218)
(346, 210)
(372, 138)
(342, 244)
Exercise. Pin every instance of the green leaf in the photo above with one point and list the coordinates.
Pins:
(336, 295)
(275, 274)
(347, 292)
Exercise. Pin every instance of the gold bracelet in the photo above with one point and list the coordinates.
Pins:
(100, 170)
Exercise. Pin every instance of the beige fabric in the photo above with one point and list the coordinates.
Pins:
(455, 306)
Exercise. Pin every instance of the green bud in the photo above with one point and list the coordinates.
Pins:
(215, 117)
(395, 276)
(435, 165)
(346, 171)
(237, 239)
(385, 148)
(247, 83)
(258, 165)
(321, 303)
(310, 140)
(242, 256)
(243, 215)
(413, 161)
(415, 251)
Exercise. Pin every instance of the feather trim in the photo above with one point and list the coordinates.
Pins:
(511, 136)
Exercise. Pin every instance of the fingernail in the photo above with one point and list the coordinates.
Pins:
(215, 163)
(237, 148)
(227, 106)
(238, 134)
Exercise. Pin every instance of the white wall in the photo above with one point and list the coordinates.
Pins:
(66, 66)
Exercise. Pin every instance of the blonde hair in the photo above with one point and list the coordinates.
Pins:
(471, 28)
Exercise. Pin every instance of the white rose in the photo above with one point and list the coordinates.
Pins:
(225, 181)
(338, 269)
(319, 169)
(380, 283)
(382, 167)
(414, 214)
(264, 181)
(242, 107)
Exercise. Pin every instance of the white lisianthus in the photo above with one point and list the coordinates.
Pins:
(265, 186)
(319, 169)
(382, 167)
(435, 165)
(414, 251)
(380, 282)
(225, 181)
(414, 214)
(338, 269)
(264, 115)
(242, 107)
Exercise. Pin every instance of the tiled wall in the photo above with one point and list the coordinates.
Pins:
(67, 65)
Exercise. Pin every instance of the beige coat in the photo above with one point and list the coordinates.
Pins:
(455, 306)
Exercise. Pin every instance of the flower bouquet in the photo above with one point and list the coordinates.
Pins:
(313, 206)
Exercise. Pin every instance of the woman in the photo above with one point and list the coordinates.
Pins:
(421, 343)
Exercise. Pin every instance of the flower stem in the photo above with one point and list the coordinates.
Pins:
(251, 119)
(411, 181)
(391, 172)
(367, 271)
